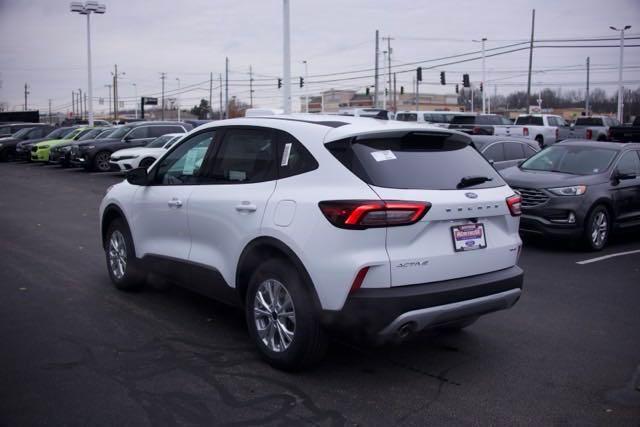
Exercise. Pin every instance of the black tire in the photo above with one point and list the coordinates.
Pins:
(593, 240)
(131, 277)
(458, 325)
(309, 342)
(100, 162)
(540, 141)
(146, 162)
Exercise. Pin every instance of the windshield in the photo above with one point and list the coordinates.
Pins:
(120, 132)
(21, 133)
(160, 141)
(415, 160)
(73, 134)
(588, 121)
(91, 134)
(58, 133)
(571, 159)
(105, 133)
(529, 120)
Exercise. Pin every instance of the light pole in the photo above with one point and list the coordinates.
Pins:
(483, 40)
(306, 90)
(620, 88)
(286, 58)
(178, 100)
(135, 97)
(86, 9)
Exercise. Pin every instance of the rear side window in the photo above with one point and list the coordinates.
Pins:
(407, 117)
(245, 156)
(513, 151)
(414, 160)
(588, 121)
(529, 120)
(488, 120)
(293, 158)
(156, 131)
(463, 120)
(495, 152)
(139, 133)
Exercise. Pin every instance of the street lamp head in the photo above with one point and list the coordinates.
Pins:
(91, 6)
(101, 9)
(626, 27)
(614, 28)
(76, 6)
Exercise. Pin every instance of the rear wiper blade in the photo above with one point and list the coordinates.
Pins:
(469, 181)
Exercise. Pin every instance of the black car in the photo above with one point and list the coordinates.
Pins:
(503, 151)
(579, 189)
(60, 154)
(8, 129)
(8, 145)
(23, 149)
(95, 154)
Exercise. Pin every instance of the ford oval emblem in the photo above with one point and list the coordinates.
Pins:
(471, 195)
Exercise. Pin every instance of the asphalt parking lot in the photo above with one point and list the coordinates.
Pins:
(78, 352)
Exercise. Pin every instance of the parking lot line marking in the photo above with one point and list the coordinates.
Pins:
(602, 258)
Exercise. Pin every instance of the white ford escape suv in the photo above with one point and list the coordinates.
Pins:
(317, 222)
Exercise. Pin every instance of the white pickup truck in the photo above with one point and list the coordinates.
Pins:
(547, 129)
(593, 127)
(485, 124)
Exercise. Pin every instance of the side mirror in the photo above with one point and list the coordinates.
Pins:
(138, 176)
(621, 176)
(520, 162)
(127, 138)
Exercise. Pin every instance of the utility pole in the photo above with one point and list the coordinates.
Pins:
(26, 94)
(135, 96)
(86, 114)
(178, 96)
(115, 91)
(375, 90)
(109, 87)
(226, 87)
(73, 103)
(210, 95)
(415, 96)
(389, 51)
(620, 87)
(384, 90)
(50, 121)
(163, 77)
(80, 110)
(286, 58)
(586, 100)
(306, 89)
(484, 110)
(533, 23)
(395, 95)
(250, 87)
(220, 116)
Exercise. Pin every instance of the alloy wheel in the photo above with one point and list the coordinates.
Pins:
(274, 315)
(599, 229)
(117, 255)
(102, 161)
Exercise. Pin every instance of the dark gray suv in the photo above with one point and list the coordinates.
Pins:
(579, 189)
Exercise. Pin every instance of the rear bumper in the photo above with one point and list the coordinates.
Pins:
(380, 313)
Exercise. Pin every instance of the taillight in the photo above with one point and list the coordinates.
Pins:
(609, 134)
(476, 130)
(362, 214)
(525, 131)
(357, 282)
(515, 205)
(589, 133)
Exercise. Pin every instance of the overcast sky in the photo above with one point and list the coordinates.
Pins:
(44, 45)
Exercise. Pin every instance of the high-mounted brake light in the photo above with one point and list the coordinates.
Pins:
(525, 131)
(362, 214)
(589, 134)
(515, 205)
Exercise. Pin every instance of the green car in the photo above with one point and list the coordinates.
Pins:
(40, 151)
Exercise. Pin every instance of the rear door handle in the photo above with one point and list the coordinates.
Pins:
(246, 207)
(175, 203)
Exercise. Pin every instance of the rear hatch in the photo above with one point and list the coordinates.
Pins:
(468, 228)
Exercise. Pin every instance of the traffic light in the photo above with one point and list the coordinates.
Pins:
(386, 91)
(443, 80)
(366, 91)
(457, 88)
(419, 74)
(481, 87)
(279, 83)
(465, 80)
(301, 82)
(401, 90)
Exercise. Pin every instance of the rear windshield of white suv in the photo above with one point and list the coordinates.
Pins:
(589, 121)
(416, 160)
